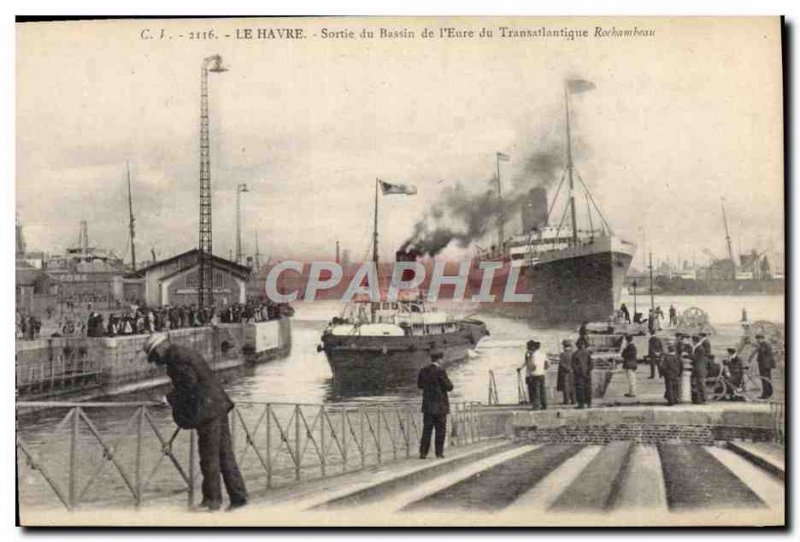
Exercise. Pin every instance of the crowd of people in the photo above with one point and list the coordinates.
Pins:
(666, 359)
(27, 327)
(155, 319)
(74, 321)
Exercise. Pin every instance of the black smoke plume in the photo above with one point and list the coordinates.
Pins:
(462, 216)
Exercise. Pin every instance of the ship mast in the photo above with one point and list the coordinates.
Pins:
(569, 172)
(501, 218)
(132, 220)
(727, 235)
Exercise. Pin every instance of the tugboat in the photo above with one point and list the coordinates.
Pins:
(396, 338)
(379, 344)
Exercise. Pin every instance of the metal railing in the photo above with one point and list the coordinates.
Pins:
(132, 452)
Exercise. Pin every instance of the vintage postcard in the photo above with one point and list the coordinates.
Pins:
(409, 271)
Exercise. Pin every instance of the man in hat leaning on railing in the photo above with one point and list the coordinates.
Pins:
(199, 402)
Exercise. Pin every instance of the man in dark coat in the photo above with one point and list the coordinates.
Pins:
(734, 367)
(199, 402)
(766, 362)
(435, 384)
(565, 381)
(582, 366)
(672, 369)
(699, 371)
(655, 349)
(630, 363)
(626, 315)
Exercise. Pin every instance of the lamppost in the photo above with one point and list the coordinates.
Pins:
(205, 292)
(239, 190)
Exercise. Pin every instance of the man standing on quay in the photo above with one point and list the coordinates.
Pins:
(582, 366)
(766, 362)
(629, 363)
(672, 371)
(435, 384)
(699, 371)
(199, 402)
(535, 366)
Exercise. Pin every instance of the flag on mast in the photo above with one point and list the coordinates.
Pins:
(576, 86)
(503, 157)
(397, 188)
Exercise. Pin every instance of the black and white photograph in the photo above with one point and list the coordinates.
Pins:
(505, 271)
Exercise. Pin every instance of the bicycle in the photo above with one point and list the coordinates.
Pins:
(750, 389)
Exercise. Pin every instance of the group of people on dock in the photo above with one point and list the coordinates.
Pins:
(654, 317)
(27, 327)
(667, 359)
(142, 320)
(574, 374)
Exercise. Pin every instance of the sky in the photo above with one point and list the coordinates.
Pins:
(676, 123)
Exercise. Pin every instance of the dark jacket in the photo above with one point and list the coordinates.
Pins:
(699, 361)
(735, 366)
(673, 365)
(629, 355)
(655, 347)
(766, 359)
(582, 364)
(197, 396)
(564, 369)
(434, 384)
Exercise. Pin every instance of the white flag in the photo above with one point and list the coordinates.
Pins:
(579, 85)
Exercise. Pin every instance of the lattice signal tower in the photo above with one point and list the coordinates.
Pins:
(205, 291)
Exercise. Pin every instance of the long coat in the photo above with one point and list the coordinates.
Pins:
(435, 384)
(582, 364)
(765, 357)
(673, 365)
(700, 361)
(197, 396)
(564, 370)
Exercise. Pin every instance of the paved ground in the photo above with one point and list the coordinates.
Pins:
(507, 483)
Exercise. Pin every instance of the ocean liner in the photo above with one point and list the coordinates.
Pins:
(574, 273)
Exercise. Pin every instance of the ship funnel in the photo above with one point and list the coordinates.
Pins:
(534, 209)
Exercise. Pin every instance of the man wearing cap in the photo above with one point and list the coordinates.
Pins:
(582, 366)
(535, 365)
(766, 362)
(672, 370)
(629, 363)
(566, 382)
(734, 367)
(435, 384)
(199, 402)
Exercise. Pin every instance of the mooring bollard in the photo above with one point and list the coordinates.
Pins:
(686, 382)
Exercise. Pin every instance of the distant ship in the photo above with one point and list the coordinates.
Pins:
(574, 274)
(375, 345)
(754, 273)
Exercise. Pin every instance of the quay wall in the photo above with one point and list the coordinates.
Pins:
(696, 424)
(100, 366)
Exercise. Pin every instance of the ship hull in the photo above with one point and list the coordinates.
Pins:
(372, 364)
(578, 284)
